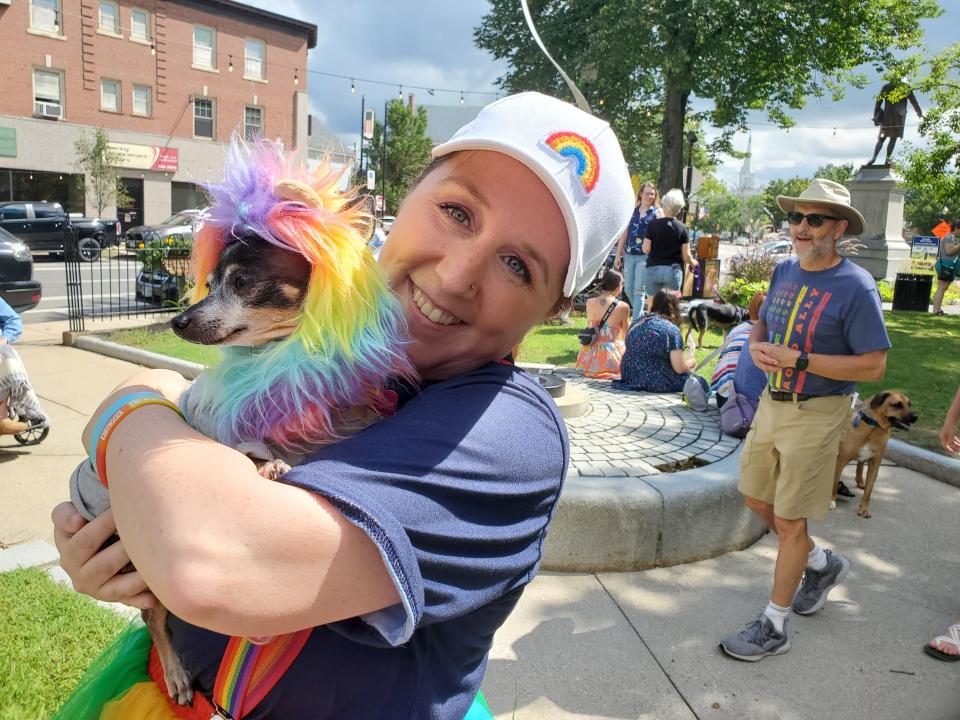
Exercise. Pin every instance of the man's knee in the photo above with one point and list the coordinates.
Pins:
(787, 529)
(758, 506)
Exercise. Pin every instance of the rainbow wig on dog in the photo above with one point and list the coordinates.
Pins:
(348, 340)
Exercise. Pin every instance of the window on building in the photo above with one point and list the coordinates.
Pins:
(252, 123)
(253, 59)
(141, 99)
(203, 47)
(109, 17)
(48, 93)
(45, 15)
(139, 25)
(203, 117)
(110, 95)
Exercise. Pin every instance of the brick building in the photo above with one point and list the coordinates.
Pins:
(168, 80)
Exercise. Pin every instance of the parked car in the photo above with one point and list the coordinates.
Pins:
(388, 223)
(17, 285)
(780, 249)
(106, 233)
(178, 224)
(42, 226)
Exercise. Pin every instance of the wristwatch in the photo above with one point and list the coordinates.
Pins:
(802, 361)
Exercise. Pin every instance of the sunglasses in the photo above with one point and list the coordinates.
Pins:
(813, 219)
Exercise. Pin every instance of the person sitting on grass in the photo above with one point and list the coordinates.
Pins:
(601, 359)
(722, 384)
(655, 360)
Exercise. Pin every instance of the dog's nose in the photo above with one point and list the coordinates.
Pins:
(912, 417)
(180, 322)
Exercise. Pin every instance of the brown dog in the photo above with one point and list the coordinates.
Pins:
(865, 439)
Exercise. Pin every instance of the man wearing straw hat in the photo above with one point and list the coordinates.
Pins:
(820, 330)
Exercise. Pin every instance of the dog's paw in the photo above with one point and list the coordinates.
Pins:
(274, 470)
(178, 684)
(864, 513)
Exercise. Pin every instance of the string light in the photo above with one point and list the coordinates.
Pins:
(153, 49)
(353, 87)
(461, 97)
(400, 91)
(230, 64)
(296, 76)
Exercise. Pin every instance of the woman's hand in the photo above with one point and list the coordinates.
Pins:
(948, 437)
(618, 262)
(96, 572)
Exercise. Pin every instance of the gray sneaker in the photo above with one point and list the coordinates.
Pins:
(817, 584)
(756, 641)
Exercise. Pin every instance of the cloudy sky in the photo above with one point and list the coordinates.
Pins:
(429, 43)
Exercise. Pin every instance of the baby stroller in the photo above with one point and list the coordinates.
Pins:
(25, 417)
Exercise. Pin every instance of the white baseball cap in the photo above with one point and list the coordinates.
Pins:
(578, 158)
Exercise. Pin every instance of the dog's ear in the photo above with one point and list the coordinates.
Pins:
(878, 400)
(366, 221)
(297, 191)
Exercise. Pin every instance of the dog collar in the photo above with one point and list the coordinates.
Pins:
(861, 415)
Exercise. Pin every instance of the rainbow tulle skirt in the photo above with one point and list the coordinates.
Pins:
(126, 683)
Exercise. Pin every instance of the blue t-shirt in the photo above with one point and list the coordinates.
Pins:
(646, 362)
(833, 312)
(11, 326)
(456, 490)
(638, 229)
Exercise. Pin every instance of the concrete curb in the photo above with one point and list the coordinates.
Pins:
(630, 523)
(148, 359)
(939, 467)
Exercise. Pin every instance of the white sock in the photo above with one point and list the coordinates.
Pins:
(817, 559)
(777, 615)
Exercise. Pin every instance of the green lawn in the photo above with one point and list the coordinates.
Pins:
(165, 342)
(48, 636)
(923, 362)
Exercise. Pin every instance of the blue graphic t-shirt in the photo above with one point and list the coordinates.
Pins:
(638, 228)
(832, 312)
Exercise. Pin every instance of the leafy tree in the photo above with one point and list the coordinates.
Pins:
(768, 198)
(408, 151)
(932, 171)
(99, 162)
(837, 173)
(638, 62)
(721, 208)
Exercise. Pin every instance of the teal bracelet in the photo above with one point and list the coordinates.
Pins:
(109, 413)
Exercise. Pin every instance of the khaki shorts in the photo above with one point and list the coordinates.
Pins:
(789, 458)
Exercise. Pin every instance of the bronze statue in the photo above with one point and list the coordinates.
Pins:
(891, 117)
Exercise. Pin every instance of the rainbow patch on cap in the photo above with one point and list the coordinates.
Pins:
(571, 145)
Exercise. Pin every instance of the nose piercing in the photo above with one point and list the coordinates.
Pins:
(473, 287)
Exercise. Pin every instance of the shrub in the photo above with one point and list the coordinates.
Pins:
(740, 292)
(752, 268)
(169, 253)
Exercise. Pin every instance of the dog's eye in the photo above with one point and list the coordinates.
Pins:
(897, 405)
(239, 282)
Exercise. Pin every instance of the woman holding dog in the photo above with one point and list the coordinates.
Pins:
(655, 360)
(405, 546)
(631, 258)
(947, 266)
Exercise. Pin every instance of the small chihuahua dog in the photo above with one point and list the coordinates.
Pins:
(285, 284)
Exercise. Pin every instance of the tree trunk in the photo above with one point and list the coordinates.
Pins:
(672, 145)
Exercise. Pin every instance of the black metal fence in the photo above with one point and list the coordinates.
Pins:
(118, 281)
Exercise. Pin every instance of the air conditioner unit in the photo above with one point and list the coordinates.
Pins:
(48, 110)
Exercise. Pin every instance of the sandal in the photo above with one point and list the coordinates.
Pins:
(954, 640)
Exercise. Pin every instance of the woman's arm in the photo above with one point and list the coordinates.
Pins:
(647, 244)
(687, 257)
(621, 243)
(948, 433)
(222, 547)
(681, 362)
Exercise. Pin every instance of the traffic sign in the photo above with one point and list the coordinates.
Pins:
(942, 228)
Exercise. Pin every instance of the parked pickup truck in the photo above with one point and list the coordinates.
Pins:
(102, 233)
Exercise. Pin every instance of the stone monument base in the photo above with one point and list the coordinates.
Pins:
(875, 192)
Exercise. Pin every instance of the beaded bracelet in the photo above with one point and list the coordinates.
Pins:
(111, 419)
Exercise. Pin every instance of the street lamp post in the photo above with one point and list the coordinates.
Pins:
(691, 141)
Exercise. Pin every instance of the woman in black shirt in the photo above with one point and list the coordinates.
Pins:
(667, 245)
